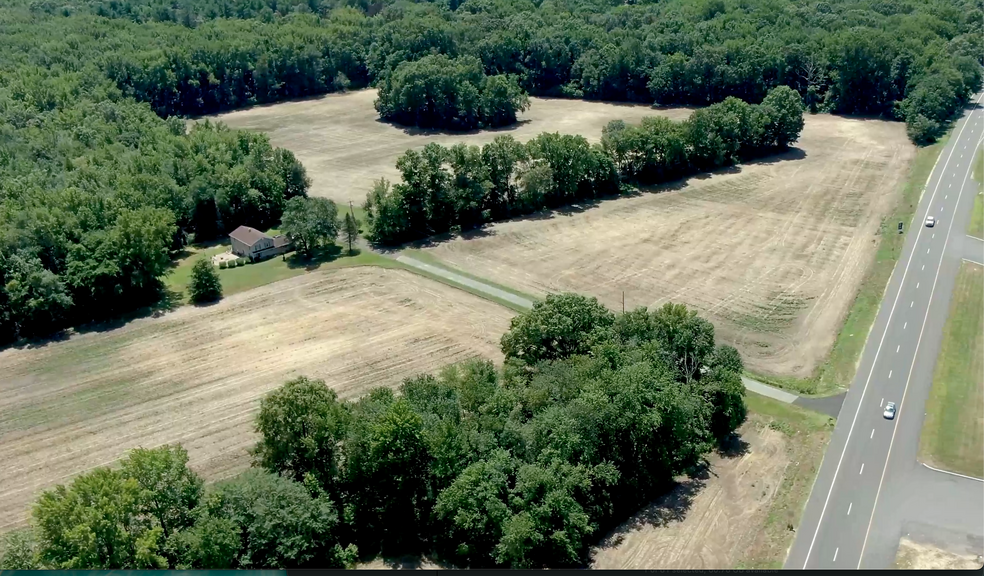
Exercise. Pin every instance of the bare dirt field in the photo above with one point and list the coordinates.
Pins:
(772, 252)
(345, 147)
(918, 556)
(195, 376)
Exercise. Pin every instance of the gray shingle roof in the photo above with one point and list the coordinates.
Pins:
(247, 235)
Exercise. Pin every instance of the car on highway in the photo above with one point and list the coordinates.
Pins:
(889, 411)
(930, 221)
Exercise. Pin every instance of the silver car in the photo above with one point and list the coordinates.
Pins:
(930, 221)
(889, 411)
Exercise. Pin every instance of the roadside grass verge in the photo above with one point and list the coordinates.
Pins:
(976, 227)
(836, 373)
(807, 435)
(953, 432)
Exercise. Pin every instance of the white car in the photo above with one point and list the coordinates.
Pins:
(889, 411)
(930, 221)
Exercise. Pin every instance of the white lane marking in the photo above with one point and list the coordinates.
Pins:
(923, 267)
(952, 473)
(897, 348)
(946, 196)
(882, 402)
(934, 234)
(911, 303)
(874, 362)
(912, 366)
(849, 506)
(927, 250)
(917, 285)
(836, 550)
(904, 324)
(890, 374)
(872, 432)
(862, 469)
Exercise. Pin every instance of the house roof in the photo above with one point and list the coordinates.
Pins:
(280, 240)
(247, 235)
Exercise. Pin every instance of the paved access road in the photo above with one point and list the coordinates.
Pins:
(870, 490)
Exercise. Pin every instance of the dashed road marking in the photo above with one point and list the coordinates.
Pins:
(835, 553)
(872, 434)
(862, 469)
(849, 506)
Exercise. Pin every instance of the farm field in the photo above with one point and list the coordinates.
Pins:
(772, 252)
(345, 146)
(195, 376)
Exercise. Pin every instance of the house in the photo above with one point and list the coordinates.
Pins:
(251, 243)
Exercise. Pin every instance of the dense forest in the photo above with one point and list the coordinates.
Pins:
(99, 185)
(463, 187)
(592, 416)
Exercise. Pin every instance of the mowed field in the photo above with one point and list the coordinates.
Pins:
(345, 147)
(195, 376)
(772, 252)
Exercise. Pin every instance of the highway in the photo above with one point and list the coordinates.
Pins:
(870, 489)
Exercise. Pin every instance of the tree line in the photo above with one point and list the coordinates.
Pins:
(910, 60)
(592, 415)
(462, 187)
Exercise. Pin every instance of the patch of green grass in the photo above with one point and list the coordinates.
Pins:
(953, 432)
(976, 227)
(979, 166)
(807, 434)
(428, 258)
(835, 374)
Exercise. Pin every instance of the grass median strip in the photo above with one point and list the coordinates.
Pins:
(953, 432)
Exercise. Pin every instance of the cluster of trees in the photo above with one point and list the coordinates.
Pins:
(454, 93)
(97, 192)
(462, 187)
(592, 415)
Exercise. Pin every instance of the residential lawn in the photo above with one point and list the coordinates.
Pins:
(257, 274)
(953, 432)
(837, 372)
(808, 433)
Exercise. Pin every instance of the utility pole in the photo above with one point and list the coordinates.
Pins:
(351, 210)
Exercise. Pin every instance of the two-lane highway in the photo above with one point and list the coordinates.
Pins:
(841, 513)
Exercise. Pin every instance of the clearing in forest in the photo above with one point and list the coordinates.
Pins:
(345, 146)
(772, 252)
(196, 375)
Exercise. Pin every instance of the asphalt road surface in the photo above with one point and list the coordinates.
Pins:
(870, 490)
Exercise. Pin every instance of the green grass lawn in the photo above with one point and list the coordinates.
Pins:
(807, 433)
(953, 432)
(257, 274)
(837, 371)
(428, 258)
(976, 227)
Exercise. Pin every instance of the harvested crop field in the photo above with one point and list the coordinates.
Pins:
(345, 147)
(771, 252)
(195, 376)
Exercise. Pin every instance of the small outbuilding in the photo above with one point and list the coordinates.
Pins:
(251, 243)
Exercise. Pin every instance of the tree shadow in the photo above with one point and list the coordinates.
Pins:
(318, 257)
(670, 507)
(732, 446)
(411, 130)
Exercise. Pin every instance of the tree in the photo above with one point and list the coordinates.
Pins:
(95, 523)
(204, 285)
(301, 425)
(211, 544)
(169, 490)
(784, 111)
(560, 326)
(351, 230)
(281, 523)
(310, 223)
(18, 551)
(36, 299)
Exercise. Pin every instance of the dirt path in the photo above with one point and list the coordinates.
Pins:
(195, 376)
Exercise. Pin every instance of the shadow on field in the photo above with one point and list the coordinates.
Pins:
(628, 191)
(427, 132)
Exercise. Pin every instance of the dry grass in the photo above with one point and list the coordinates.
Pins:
(195, 376)
(916, 556)
(344, 146)
(772, 253)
